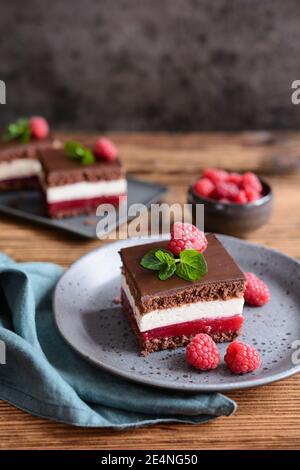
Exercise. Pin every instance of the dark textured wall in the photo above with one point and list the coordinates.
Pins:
(160, 64)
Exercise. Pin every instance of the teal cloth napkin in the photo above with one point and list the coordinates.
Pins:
(42, 374)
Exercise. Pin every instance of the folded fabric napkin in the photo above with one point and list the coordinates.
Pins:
(44, 376)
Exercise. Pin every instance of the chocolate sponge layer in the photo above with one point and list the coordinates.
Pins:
(208, 292)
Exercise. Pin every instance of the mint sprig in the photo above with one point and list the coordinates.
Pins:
(167, 264)
(190, 265)
(18, 130)
(79, 153)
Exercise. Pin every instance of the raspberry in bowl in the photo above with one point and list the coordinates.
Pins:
(235, 203)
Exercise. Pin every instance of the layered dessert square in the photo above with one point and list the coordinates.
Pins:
(71, 188)
(168, 314)
(19, 163)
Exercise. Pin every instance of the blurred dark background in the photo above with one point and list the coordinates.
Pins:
(151, 65)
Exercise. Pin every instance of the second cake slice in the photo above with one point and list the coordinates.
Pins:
(71, 188)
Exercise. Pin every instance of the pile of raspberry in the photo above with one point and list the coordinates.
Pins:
(228, 187)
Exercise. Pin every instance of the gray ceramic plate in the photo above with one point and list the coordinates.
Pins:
(29, 205)
(95, 327)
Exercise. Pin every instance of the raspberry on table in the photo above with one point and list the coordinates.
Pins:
(186, 236)
(251, 180)
(242, 358)
(202, 352)
(257, 292)
(204, 187)
(105, 149)
(215, 175)
(225, 190)
(39, 127)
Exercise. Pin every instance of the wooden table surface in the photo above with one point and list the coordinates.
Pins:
(267, 417)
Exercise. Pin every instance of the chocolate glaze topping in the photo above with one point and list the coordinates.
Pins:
(224, 278)
(60, 170)
(14, 150)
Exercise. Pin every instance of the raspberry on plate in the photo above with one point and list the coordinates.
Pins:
(186, 236)
(105, 149)
(204, 187)
(242, 358)
(39, 127)
(202, 352)
(257, 292)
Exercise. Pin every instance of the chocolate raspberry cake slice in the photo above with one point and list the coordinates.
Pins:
(76, 182)
(169, 313)
(20, 149)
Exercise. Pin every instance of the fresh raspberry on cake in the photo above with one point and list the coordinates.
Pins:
(225, 190)
(204, 187)
(39, 127)
(105, 149)
(242, 358)
(215, 175)
(202, 352)
(257, 292)
(186, 236)
(251, 180)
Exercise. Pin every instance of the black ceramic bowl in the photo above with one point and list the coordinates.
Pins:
(234, 219)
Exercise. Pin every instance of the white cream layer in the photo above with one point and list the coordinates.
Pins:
(184, 313)
(86, 190)
(19, 168)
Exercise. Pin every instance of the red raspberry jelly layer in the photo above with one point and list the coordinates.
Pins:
(207, 325)
(210, 326)
(57, 207)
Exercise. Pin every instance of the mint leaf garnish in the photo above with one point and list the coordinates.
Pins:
(168, 264)
(79, 153)
(190, 265)
(166, 271)
(151, 261)
(164, 256)
(18, 130)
